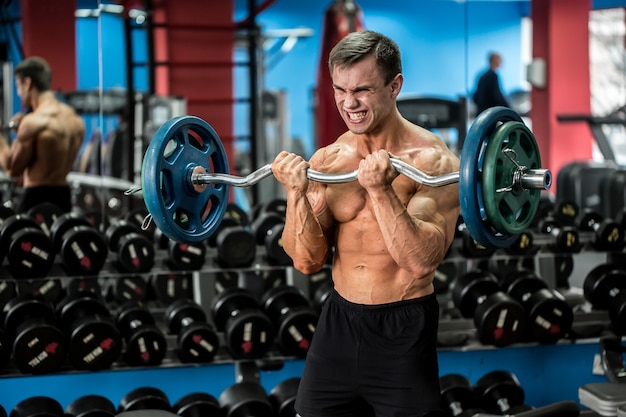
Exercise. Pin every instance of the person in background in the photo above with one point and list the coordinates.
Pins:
(47, 139)
(375, 344)
(488, 92)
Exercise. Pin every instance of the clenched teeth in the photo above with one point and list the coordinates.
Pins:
(356, 116)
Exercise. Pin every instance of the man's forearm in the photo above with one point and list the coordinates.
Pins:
(5, 154)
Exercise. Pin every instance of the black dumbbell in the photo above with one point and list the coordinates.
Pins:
(259, 280)
(5, 348)
(267, 227)
(247, 397)
(77, 284)
(499, 319)
(608, 234)
(605, 288)
(293, 317)
(98, 219)
(235, 244)
(91, 406)
(524, 244)
(128, 288)
(40, 406)
(28, 250)
(8, 290)
(549, 316)
(94, 340)
(145, 342)
(321, 294)
(564, 212)
(283, 397)
(45, 214)
(276, 206)
(82, 248)
(248, 332)
(562, 238)
(134, 251)
(39, 345)
(170, 286)
(182, 256)
(49, 289)
(263, 222)
(458, 396)
(144, 398)
(500, 392)
(197, 339)
(197, 404)
(274, 250)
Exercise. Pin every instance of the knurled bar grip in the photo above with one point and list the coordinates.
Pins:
(537, 179)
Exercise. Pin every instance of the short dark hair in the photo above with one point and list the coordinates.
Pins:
(358, 45)
(38, 70)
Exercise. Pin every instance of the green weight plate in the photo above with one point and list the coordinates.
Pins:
(511, 145)
(470, 177)
(181, 212)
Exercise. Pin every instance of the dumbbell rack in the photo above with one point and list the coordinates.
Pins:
(563, 366)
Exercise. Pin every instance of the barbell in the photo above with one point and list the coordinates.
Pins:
(185, 179)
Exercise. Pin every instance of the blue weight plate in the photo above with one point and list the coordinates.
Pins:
(182, 213)
(470, 177)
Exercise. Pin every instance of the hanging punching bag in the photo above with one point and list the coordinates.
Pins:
(341, 18)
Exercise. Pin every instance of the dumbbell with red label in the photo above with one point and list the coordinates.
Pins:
(500, 320)
(134, 251)
(127, 288)
(95, 342)
(39, 346)
(28, 250)
(248, 332)
(197, 339)
(82, 248)
(549, 316)
(182, 256)
(294, 319)
(45, 214)
(145, 342)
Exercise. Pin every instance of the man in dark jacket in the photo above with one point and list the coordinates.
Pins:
(488, 93)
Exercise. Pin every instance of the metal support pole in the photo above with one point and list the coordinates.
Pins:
(130, 99)
(254, 87)
(150, 46)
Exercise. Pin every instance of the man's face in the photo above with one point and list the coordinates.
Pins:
(22, 86)
(361, 95)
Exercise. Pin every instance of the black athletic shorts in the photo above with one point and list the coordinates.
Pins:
(55, 194)
(382, 355)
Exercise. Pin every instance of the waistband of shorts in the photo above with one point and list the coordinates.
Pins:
(48, 187)
(337, 298)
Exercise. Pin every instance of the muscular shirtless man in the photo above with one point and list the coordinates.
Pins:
(377, 334)
(47, 139)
